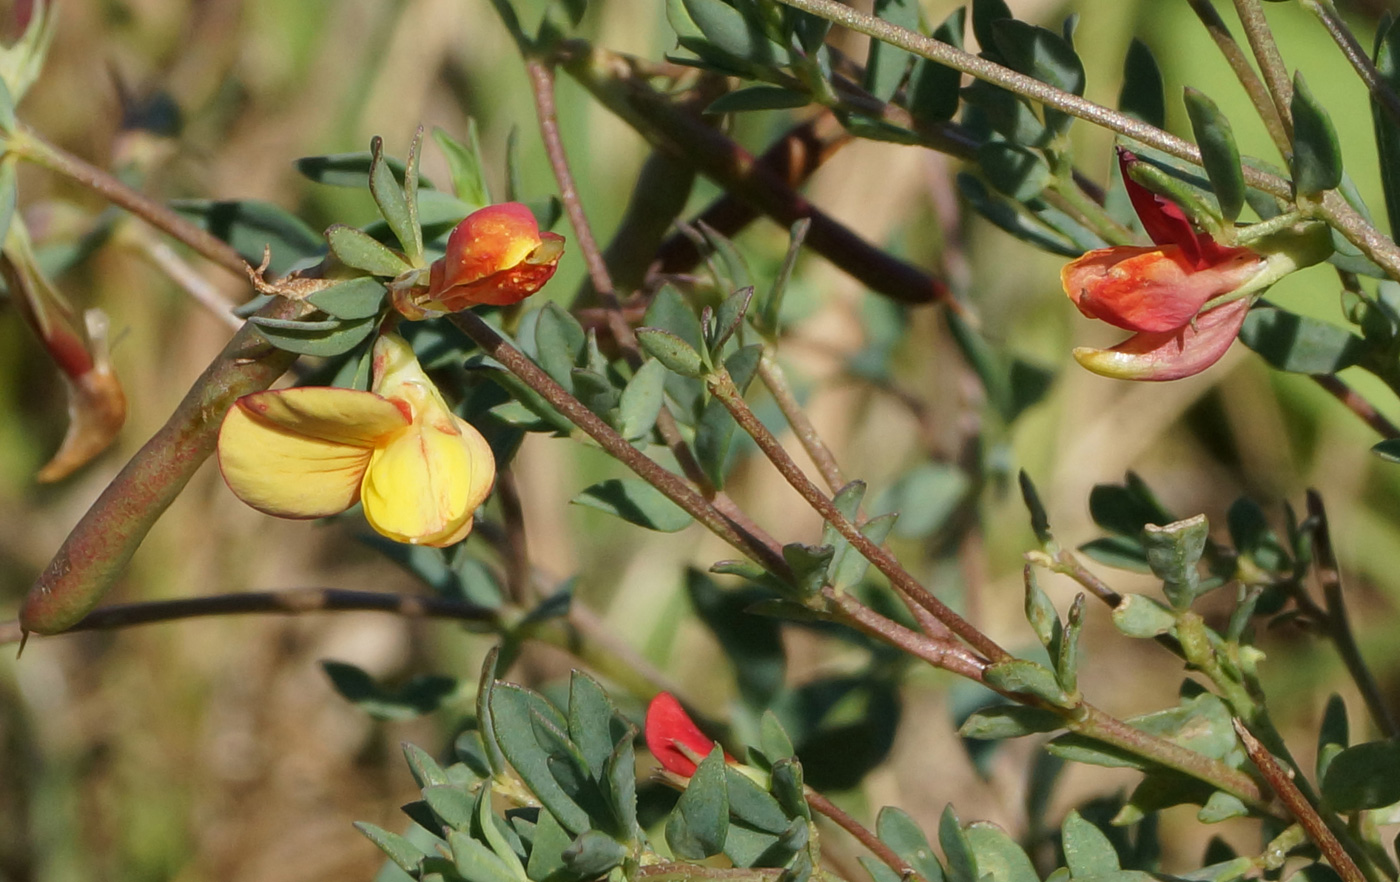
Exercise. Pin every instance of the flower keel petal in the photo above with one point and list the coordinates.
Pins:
(1172, 355)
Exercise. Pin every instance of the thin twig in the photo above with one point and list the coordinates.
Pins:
(1266, 55)
(165, 258)
(34, 148)
(722, 387)
(773, 377)
(832, 812)
(294, 602)
(1329, 576)
(768, 554)
(609, 77)
(945, 654)
(1360, 61)
(1244, 72)
(1357, 404)
(1298, 806)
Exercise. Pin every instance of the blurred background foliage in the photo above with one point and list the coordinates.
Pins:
(218, 749)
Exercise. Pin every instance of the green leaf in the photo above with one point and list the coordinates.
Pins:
(547, 853)
(1388, 450)
(729, 317)
(757, 98)
(515, 711)
(885, 65)
(751, 805)
(809, 565)
(620, 780)
(786, 783)
(754, 644)
(394, 204)
(559, 344)
(933, 87)
(465, 166)
(7, 110)
(323, 339)
(1317, 155)
(714, 433)
(1173, 552)
(1045, 55)
(420, 695)
(1126, 508)
(699, 824)
(641, 401)
(1387, 127)
(1040, 521)
(1007, 217)
(1019, 172)
(849, 566)
(405, 855)
(453, 806)
(898, 830)
(1219, 154)
(1137, 615)
(925, 497)
(1300, 344)
(1028, 677)
(593, 854)
(249, 226)
(355, 248)
(1009, 721)
(1008, 114)
(477, 863)
(1333, 735)
(1088, 852)
(1142, 95)
(425, 769)
(1221, 806)
(773, 738)
(998, 855)
(353, 299)
(1041, 614)
(726, 28)
(346, 169)
(1365, 776)
(673, 352)
(590, 719)
(985, 14)
(1066, 658)
(962, 865)
(485, 718)
(636, 502)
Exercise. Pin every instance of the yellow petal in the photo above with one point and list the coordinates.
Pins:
(424, 484)
(340, 416)
(286, 474)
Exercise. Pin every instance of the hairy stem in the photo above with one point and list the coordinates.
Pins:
(775, 379)
(1271, 66)
(1360, 61)
(1253, 86)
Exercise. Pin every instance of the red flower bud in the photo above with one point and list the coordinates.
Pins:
(668, 729)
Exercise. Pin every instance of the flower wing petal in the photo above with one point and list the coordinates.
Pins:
(1172, 355)
(1156, 290)
(287, 474)
(339, 416)
(667, 724)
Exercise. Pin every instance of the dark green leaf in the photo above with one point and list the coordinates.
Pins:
(729, 317)
(249, 226)
(1126, 508)
(518, 713)
(394, 204)
(323, 339)
(1066, 657)
(787, 787)
(669, 311)
(1009, 721)
(453, 806)
(1388, 450)
(1221, 806)
(356, 249)
(1118, 551)
(420, 695)
(1008, 217)
(1088, 852)
(985, 14)
(641, 401)
(753, 643)
(751, 805)
(593, 854)
(590, 719)
(676, 354)
(714, 433)
(1365, 776)
(1142, 95)
(1017, 171)
(729, 30)
(475, 862)
(1008, 113)
(897, 830)
(849, 566)
(962, 866)
(700, 823)
(1300, 344)
(933, 87)
(1040, 521)
(636, 502)
(1387, 127)
(809, 564)
(405, 855)
(425, 769)
(1045, 55)
(547, 853)
(1173, 552)
(885, 65)
(1219, 154)
(758, 98)
(773, 738)
(354, 299)
(464, 164)
(620, 778)
(1041, 614)
(485, 719)
(559, 343)
(998, 855)
(1317, 156)
(925, 497)
(346, 169)
(1333, 735)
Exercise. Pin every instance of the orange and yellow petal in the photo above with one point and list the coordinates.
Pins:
(1151, 289)
(487, 241)
(1172, 355)
(424, 485)
(285, 473)
(337, 416)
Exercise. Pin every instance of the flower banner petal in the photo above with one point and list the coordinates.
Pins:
(1153, 289)
(340, 416)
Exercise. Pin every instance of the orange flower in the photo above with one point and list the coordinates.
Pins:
(673, 738)
(1161, 292)
(496, 256)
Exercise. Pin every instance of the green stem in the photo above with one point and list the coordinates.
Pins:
(1089, 212)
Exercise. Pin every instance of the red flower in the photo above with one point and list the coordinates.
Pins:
(496, 256)
(673, 738)
(1159, 292)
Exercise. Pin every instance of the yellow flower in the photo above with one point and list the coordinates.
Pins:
(314, 451)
